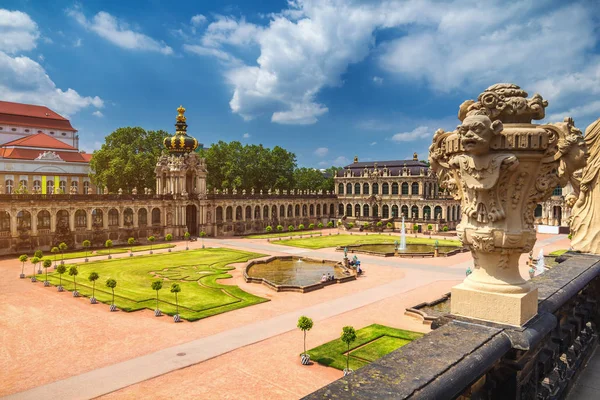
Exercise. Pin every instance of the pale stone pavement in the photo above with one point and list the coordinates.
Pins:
(587, 386)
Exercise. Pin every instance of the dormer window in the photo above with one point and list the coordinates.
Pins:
(64, 134)
(40, 132)
(27, 130)
(52, 133)
(14, 129)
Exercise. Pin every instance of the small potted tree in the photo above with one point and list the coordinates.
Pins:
(93, 278)
(429, 228)
(168, 238)
(330, 224)
(351, 225)
(389, 225)
(445, 228)
(73, 272)
(279, 228)
(23, 259)
(47, 264)
(131, 242)
(86, 245)
(366, 226)
(348, 336)
(34, 262)
(157, 285)
(301, 227)
(269, 229)
(415, 229)
(108, 244)
(39, 255)
(311, 226)
(62, 247)
(291, 228)
(175, 288)
(54, 251)
(202, 236)
(112, 284)
(379, 225)
(320, 225)
(305, 324)
(151, 239)
(61, 270)
(187, 240)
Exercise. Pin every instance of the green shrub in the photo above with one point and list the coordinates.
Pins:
(301, 227)
(379, 224)
(311, 226)
(269, 229)
(320, 225)
(280, 228)
(429, 227)
(351, 225)
(445, 228)
(389, 225)
(366, 225)
(291, 228)
(168, 237)
(415, 227)
(330, 224)
(570, 236)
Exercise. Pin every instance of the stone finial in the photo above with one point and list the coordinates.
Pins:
(120, 191)
(269, 192)
(105, 190)
(149, 191)
(261, 192)
(134, 190)
(355, 159)
(415, 156)
(252, 191)
(500, 169)
(234, 191)
(243, 192)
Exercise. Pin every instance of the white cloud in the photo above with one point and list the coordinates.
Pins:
(322, 151)
(98, 114)
(373, 143)
(208, 51)
(78, 42)
(377, 80)
(198, 20)
(246, 135)
(41, 57)
(341, 161)
(117, 32)
(18, 32)
(421, 132)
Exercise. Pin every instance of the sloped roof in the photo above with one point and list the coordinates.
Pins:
(32, 115)
(394, 166)
(39, 140)
(30, 154)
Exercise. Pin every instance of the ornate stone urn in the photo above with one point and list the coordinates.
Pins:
(500, 166)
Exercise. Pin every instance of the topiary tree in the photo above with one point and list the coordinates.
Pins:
(131, 242)
(320, 225)
(39, 254)
(111, 283)
(445, 228)
(34, 262)
(570, 236)
(54, 251)
(74, 272)
(93, 278)
(389, 225)
(311, 226)
(187, 239)
(291, 228)
(61, 270)
(351, 225)
(305, 324)
(348, 336)
(269, 229)
(379, 224)
(151, 239)
(175, 288)
(23, 258)
(330, 224)
(157, 285)
(280, 228)
(62, 247)
(47, 264)
(301, 227)
(202, 236)
(108, 244)
(429, 227)
(86, 245)
(366, 225)
(168, 238)
(415, 228)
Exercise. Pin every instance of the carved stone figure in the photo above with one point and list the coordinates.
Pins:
(105, 190)
(585, 223)
(120, 191)
(134, 191)
(500, 166)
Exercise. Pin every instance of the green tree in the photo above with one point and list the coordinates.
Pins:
(157, 285)
(305, 324)
(54, 251)
(38, 254)
(131, 242)
(86, 245)
(93, 278)
(291, 228)
(301, 227)
(108, 244)
(74, 272)
(151, 239)
(348, 336)
(34, 262)
(112, 284)
(175, 288)
(280, 228)
(62, 247)
(127, 159)
(202, 236)
(329, 174)
(47, 264)
(187, 239)
(61, 270)
(309, 179)
(330, 224)
(23, 258)
(269, 229)
(319, 225)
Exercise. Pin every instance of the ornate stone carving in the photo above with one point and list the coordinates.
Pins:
(500, 166)
(49, 155)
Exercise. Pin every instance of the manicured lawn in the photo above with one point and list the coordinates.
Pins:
(372, 342)
(196, 272)
(281, 234)
(104, 252)
(557, 253)
(346, 240)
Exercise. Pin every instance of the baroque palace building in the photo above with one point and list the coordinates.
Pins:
(47, 196)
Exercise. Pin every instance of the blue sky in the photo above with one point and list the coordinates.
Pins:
(327, 80)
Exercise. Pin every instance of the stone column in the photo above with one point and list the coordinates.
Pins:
(121, 217)
(71, 220)
(13, 224)
(34, 222)
(501, 166)
(135, 219)
(52, 220)
(89, 219)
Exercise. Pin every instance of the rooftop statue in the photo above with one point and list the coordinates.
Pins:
(500, 166)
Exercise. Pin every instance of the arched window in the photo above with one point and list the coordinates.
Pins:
(349, 210)
(238, 213)
(290, 211)
(448, 214)
(80, 219)
(156, 216)
(366, 210)
(4, 221)
(437, 212)
(86, 187)
(128, 217)
(229, 213)
(74, 187)
(365, 188)
(282, 211)
(385, 188)
(219, 214)
(23, 188)
(304, 210)
(265, 212)
(340, 209)
(50, 186)
(311, 210)
(394, 188)
(357, 188)
(297, 210)
(357, 210)
(62, 217)
(113, 217)
(331, 209)
(414, 212)
(248, 212)
(43, 219)
(385, 211)
(63, 186)
(453, 213)
(404, 188)
(375, 210)
(426, 212)
(376, 188)
(9, 186)
(274, 212)
(404, 211)
(23, 220)
(37, 186)
(142, 217)
(395, 211)
(318, 210)
(415, 188)
(349, 188)
(256, 212)
(538, 211)
(341, 188)
(98, 217)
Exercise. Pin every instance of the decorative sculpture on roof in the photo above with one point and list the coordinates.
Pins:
(500, 166)
(49, 156)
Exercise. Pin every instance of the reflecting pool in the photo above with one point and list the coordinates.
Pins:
(295, 271)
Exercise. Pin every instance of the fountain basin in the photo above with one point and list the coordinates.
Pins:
(428, 312)
(296, 274)
(412, 250)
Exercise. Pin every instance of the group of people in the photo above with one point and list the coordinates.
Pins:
(328, 277)
(356, 263)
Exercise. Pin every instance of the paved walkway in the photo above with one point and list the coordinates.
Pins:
(587, 386)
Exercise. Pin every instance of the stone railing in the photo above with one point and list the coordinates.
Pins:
(82, 197)
(283, 194)
(470, 359)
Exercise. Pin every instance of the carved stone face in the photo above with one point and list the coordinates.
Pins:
(476, 133)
